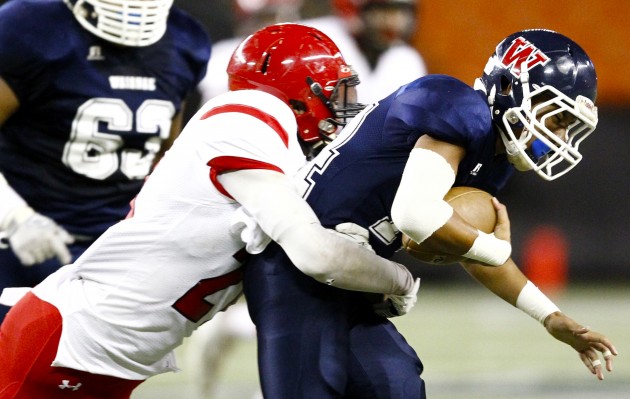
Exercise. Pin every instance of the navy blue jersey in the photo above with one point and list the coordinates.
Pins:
(356, 178)
(92, 113)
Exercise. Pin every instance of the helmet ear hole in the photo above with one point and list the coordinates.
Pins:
(506, 86)
(298, 106)
(265, 64)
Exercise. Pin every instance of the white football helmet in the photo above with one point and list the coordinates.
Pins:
(134, 23)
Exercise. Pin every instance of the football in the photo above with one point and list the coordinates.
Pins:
(474, 206)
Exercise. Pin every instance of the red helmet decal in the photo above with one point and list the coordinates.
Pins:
(521, 51)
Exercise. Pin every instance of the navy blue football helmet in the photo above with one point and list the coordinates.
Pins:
(550, 69)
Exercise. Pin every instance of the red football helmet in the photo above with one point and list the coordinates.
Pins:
(304, 68)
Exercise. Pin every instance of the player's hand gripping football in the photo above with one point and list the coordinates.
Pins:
(589, 344)
(35, 238)
(502, 227)
(398, 305)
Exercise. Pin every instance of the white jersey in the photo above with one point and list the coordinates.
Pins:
(153, 278)
(397, 66)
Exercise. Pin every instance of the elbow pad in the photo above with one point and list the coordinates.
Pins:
(419, 208)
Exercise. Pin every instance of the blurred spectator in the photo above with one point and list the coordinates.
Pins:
(216, 16)
(249, 16)
(373, 35)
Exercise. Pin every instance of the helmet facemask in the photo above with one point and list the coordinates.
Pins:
(548, 155)
(342, 104)
(134, 23)
(535, 79)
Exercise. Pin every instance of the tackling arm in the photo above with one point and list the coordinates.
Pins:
(270, 198)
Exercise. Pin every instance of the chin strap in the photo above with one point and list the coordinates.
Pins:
(524, 78)
(514, 155)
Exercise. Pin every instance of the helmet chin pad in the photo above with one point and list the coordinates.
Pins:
(538, 150)
(516, 153)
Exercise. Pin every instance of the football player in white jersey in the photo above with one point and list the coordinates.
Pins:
(222, 191)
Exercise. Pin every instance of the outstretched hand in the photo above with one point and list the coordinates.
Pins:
(586, 342)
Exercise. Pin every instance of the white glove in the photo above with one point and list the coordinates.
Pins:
(398, 305)
(35, 238)
(246, 227)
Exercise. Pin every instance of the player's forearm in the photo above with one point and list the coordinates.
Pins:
(337, 261)
(510, 284)
(505, 281)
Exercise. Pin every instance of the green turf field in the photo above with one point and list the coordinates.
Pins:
(473, 346)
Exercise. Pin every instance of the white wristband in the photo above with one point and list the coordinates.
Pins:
(536, 304)
(488, 249)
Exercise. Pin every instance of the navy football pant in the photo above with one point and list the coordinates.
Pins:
(319, 342)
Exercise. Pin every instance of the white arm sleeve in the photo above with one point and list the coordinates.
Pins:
(271, 199)
(10, 203)
(419, 208)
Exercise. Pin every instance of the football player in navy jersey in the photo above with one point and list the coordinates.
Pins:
(91, 92)
(386, 175)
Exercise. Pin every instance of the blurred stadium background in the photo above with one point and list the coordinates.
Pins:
(473, 345)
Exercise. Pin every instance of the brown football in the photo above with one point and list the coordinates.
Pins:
(474, 206)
